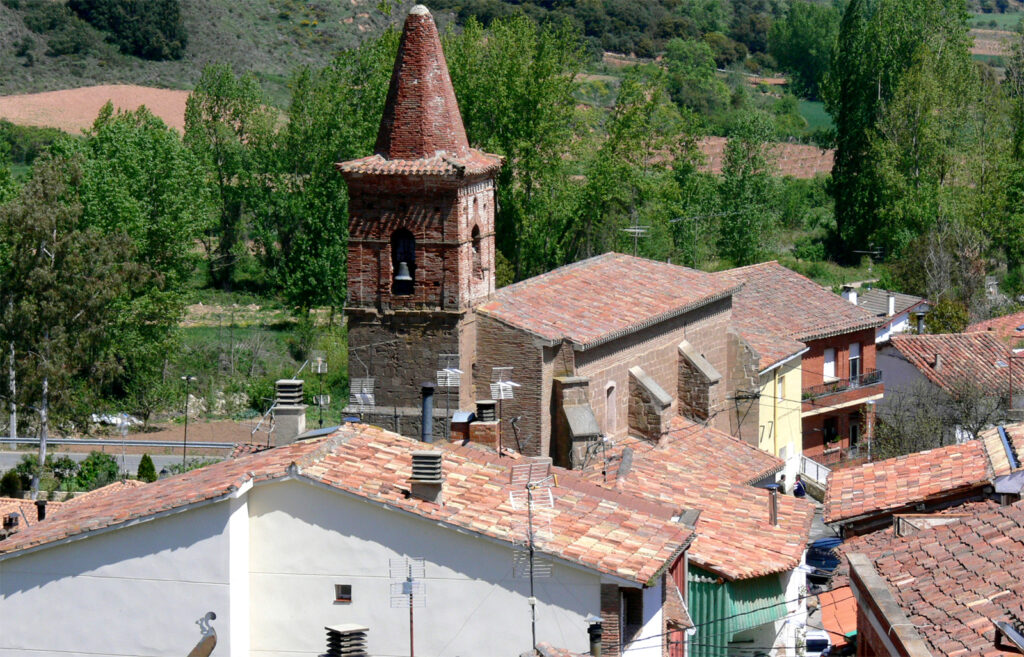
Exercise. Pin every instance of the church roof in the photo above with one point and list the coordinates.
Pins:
(599, 299)
(421, 131)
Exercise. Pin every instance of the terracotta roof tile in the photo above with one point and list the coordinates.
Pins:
(603, 297)
(698, 467)
(1007, 328)
(780, 301)
(955, 579)
(421, 131)
(997, 455)
(966, 357)
(898, 482)
(376, 464)
(838, 614)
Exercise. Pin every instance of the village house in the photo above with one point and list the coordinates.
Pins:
(745, 566)
(949, 589)
(966, 375)
(282, 543)
(865, 498)
(839, 379)
(897, 312)
(1008, 328)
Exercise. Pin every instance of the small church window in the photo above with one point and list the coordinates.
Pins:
(477, 264)
(403, 262)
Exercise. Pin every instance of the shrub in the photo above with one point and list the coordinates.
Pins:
(147, 471)
(10, 484)
(97, 470)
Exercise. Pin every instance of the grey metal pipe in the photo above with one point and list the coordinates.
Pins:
(427, 434)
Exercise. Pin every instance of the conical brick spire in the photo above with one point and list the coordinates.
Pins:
(421, 132)
(421, 116)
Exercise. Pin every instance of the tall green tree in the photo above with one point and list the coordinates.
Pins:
(892, 56)
(224, 118)
(515, 83)
(749, 220)
(60, 281)
(802, 44)
(300, 208)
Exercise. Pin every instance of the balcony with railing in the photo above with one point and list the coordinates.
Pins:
(863, 380)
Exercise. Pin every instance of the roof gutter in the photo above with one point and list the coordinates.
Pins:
(834, 332)
(785, 360)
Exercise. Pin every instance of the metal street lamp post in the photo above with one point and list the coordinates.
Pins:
(184, 443)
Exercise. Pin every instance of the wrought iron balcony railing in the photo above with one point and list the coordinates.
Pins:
(867, 378)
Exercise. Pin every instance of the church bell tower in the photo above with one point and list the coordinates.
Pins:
(421, 238)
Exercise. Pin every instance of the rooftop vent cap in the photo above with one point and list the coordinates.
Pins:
(937, 363)
(426, 467)
(347, 640)
(288, 392)
(486, 410)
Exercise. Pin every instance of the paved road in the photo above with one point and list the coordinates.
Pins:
(9, 459)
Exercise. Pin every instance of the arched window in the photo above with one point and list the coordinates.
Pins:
(403, 262)
(611, 409)
(478, 270)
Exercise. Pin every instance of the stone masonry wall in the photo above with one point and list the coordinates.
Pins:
(655, 349)
(743, 375)
(695, 389)
(650, 407)
(400, 352)
(499, 345)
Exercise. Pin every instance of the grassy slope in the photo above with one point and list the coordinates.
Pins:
(269, 37)
(1007, 21)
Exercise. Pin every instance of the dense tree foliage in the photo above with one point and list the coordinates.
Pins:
(151, 29)
(802, 44)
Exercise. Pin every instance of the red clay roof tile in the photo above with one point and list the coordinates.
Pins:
(698, 467)
(898, 482)
(937, 576)
(969, 358)
(779, 301)
(376, 464)
(598, 299)
(1007, 328)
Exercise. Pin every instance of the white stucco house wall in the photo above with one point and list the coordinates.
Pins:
(264, 540)
(900, 313)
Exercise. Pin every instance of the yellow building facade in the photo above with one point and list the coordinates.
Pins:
(780, 428)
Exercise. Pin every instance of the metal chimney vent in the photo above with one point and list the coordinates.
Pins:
(348, 640)
(288, 392)
(426, 467)
(486, 410)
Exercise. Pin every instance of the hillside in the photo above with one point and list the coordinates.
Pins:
(269, 37)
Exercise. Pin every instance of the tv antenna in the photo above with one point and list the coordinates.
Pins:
(407, 590)
(502, 387)
(637, 231)
(531, 490)
(448, 376)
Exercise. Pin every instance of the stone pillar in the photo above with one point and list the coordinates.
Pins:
(697, 377)
(650, 407)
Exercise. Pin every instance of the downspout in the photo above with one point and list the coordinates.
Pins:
(775, 413)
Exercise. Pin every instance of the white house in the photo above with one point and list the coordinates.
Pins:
(902, 313)
(282, 543)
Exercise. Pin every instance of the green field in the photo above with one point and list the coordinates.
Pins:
(814, 113)
(1006, 21)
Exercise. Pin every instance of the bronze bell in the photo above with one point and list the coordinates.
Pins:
(403, 272)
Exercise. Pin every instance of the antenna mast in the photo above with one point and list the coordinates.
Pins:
(531, 489)
(502, 387)
(407, 591)
(448, 376)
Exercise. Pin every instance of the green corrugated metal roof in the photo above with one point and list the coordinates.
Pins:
(721, 609)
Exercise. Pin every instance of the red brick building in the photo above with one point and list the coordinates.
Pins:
(608, 346)
(839, 376)
(421, 236)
